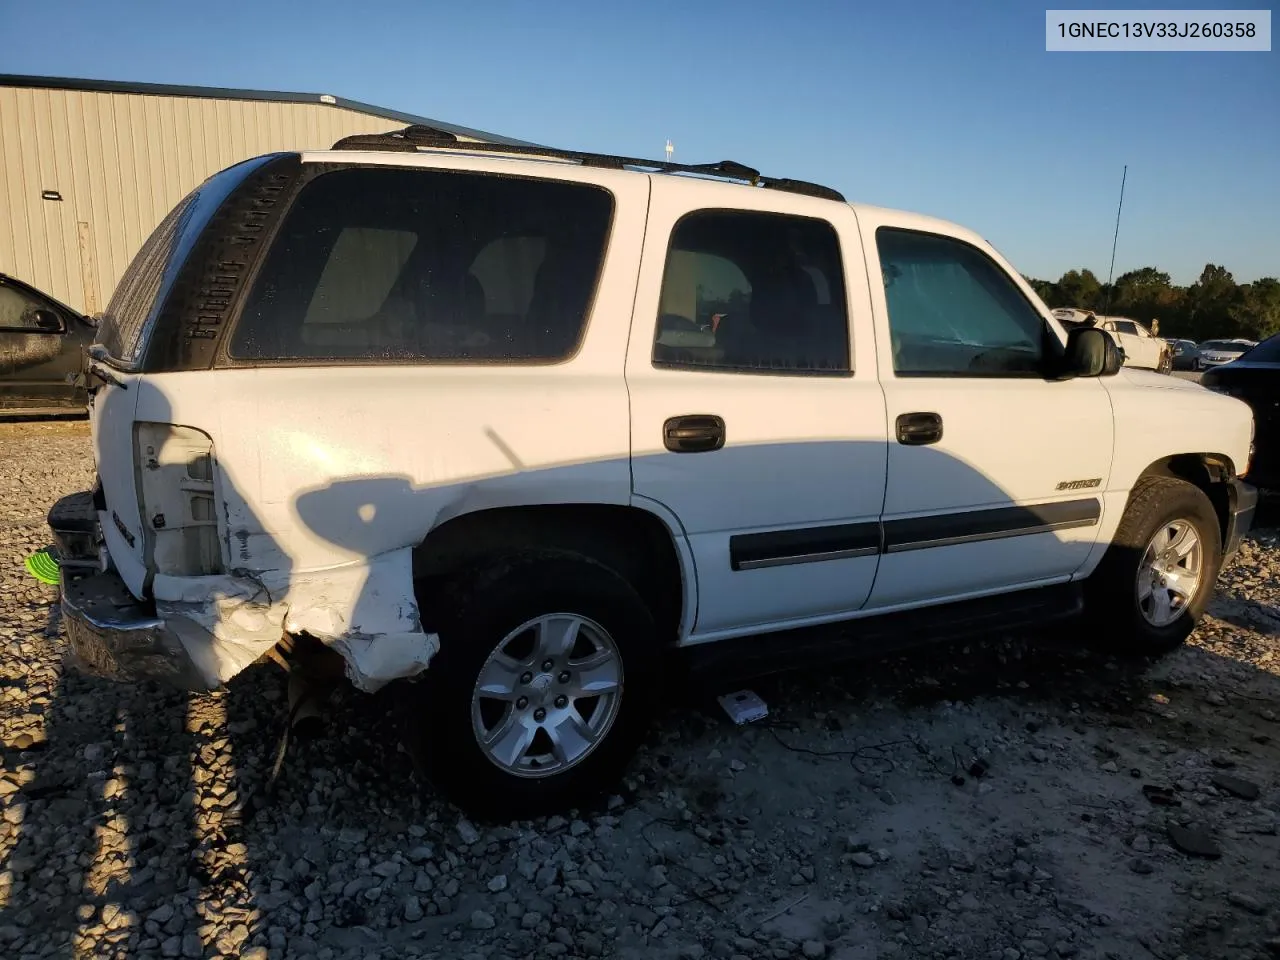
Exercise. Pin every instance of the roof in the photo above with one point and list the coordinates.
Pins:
(420, 137)
(231, 93)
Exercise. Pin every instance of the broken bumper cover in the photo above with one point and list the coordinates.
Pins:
(1242, 504)
(199, 632)
(115, 636)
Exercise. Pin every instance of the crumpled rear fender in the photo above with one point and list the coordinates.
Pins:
(365, 610)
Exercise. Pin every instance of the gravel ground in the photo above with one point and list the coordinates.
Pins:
(1009, 799)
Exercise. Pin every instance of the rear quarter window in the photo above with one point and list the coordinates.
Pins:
(428, 265)
(131, 312)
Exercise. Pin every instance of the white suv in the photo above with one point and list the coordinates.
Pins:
(517, 425)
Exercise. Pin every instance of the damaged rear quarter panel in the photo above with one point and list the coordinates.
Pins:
(329, 478)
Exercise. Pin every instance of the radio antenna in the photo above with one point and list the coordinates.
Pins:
(1114, 240)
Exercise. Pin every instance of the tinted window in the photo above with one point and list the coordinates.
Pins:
(428, 265)
(755, 293)
(18, 310)
(1124, 326)
(1221, 345)
(954, 312)
(1268, 351)
(146, 281)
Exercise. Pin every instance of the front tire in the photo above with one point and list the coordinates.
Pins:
(542, 689)
(1157, 576)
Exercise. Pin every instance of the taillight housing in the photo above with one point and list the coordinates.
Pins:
(178, 498)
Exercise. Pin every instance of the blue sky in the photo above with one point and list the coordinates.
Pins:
(952, 109)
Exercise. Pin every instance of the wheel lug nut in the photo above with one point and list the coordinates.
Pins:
(564, 676)
(522, 703)
(561, 702)
(526, 678)
(539, 715)
(546, 666)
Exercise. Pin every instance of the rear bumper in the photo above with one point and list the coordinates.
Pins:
(116, 636)
(112, 634)
(1242, 505)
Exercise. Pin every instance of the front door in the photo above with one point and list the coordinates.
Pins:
(39, 351)
(754, 418)
(995, 472)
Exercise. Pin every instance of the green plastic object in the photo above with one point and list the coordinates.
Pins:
(43, 566)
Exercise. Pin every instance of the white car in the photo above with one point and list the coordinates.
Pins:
(1214, 353)
(520, 426)
(1141, 348)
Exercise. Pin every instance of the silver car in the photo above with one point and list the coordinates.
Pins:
(1214, 353)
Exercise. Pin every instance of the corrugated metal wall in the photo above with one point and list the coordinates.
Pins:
(121, 162)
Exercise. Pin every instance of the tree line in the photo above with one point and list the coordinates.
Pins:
(1214, 307)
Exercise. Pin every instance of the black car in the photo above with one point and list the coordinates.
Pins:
(1185, 353)
(1255, 379)
(42, 343)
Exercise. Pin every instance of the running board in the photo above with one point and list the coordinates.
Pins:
(733, 661)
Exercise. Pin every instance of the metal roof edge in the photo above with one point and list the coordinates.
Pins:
(232, 93)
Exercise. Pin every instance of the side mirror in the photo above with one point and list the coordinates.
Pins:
(1091, 353)
(47, 320)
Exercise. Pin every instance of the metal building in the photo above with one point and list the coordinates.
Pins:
(88, 168)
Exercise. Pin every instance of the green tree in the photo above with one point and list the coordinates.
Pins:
(1211, 301)
(1080, 288)
(1256, 314)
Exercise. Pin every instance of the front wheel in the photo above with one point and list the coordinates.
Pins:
(1157, 576)
(542, 688)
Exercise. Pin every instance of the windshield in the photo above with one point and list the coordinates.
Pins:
(1223, 345)
(1268, 351)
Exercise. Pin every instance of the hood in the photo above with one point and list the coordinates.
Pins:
(1156, 381)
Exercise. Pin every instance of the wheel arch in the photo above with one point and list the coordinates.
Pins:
(642, 542)
(1209, 472)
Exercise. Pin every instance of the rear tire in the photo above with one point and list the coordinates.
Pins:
(498, 731)
(1157, 576)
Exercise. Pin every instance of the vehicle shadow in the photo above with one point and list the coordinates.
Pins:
(134, 812)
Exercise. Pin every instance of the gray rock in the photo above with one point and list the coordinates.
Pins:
(863, 859)
(412, 909)
(422, 853)
(468, 833)
(1247, 903)
(814, 949)
(482, 921)
(192, 947)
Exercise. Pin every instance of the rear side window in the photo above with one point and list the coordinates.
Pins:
(427, 265)
(753, 292)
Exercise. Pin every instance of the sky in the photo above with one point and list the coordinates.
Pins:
(950, 109)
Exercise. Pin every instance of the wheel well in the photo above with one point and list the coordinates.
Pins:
(1208, 471)
(632, 542)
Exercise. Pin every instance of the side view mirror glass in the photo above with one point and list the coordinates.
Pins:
(1091, 353)
(47, 320)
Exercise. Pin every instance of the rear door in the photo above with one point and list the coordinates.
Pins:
(755, 419)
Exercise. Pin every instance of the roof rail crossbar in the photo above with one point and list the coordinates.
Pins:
(410, 139)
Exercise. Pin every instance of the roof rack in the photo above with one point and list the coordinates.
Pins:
(410, 138)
